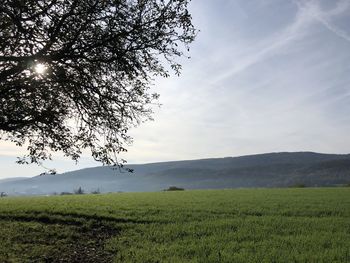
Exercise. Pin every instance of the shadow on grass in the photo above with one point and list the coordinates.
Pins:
(88, 234)
(74, 219)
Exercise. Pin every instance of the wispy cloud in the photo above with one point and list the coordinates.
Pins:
(307, 14)
(314, 10)
(271, 45)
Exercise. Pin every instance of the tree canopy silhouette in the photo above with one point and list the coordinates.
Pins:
(76, 74)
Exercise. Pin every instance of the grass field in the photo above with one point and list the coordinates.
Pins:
(256, 225)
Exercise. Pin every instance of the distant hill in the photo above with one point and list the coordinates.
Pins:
(263, 170)
(13, 179)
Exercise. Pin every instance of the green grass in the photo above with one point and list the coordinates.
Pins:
(247, 225)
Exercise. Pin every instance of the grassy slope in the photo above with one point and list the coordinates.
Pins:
(262, 225)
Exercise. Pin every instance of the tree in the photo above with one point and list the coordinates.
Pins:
(79, 191)
(75, 75)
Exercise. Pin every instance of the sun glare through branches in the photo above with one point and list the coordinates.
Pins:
(40, 68)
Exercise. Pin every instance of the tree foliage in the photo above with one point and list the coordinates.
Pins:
(76, 74)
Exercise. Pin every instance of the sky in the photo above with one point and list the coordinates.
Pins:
(264, 76)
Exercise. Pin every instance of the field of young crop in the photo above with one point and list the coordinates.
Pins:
(244, 225)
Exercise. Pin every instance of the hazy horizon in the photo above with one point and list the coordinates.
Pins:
(76, 167)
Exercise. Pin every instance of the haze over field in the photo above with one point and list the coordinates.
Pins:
(264, 76)
(264, 170)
